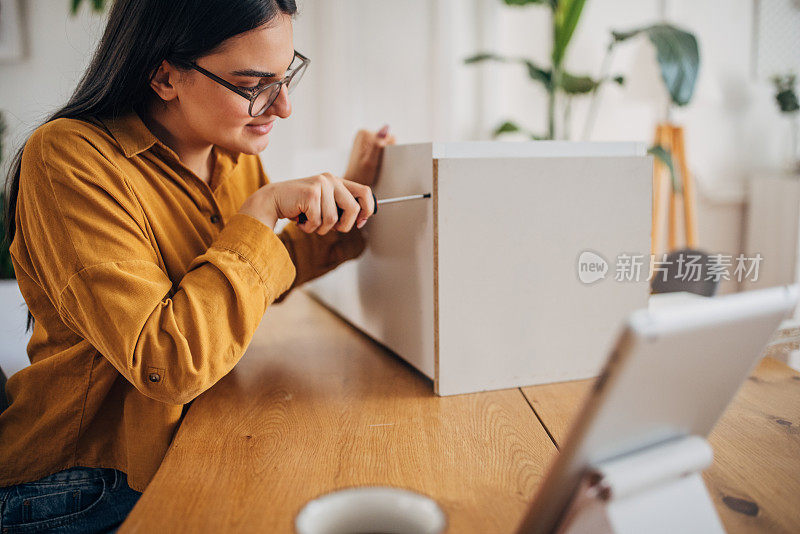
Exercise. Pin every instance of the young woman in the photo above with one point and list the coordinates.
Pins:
(142, 227)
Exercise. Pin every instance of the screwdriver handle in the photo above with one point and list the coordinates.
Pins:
(302, 217)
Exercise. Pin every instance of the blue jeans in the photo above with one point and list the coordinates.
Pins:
(78, 499)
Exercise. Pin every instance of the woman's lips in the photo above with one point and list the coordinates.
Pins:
(261, 129)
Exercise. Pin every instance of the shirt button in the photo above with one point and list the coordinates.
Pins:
(214, 218)
(154, 377)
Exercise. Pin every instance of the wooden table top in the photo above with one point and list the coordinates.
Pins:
(315, 406)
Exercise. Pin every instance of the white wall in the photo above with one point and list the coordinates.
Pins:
(383, 61)
(57, 50)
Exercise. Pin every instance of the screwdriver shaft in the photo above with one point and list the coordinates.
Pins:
(300, 219)
(401, 199)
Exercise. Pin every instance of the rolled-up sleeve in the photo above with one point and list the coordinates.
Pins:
(314, 255)
(96, 262)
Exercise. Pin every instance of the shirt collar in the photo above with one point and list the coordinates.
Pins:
(131, 133)
(134, 137)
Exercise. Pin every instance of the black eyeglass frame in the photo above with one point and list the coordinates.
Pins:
(252, 95)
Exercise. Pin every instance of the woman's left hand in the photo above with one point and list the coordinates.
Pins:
(365, 158)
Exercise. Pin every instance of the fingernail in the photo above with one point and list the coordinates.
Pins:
(361, 223)
(383, 131)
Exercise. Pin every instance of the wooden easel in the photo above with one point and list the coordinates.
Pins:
(670, 137)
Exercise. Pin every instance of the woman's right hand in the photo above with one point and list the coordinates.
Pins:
(318, 197)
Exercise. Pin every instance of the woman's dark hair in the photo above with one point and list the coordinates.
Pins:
(140, 34)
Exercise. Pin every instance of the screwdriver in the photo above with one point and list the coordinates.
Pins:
(383, 132)
(300, 219)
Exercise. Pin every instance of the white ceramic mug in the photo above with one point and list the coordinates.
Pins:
(371, 510)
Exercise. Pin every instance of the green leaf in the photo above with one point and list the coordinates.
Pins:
(534, 71)
(512, 127)
(573, 84)
(565, 20)
(787, 101)
(665, 156)
(678, 57)
(484, 56)
(785, 93)
(506, 127)
(577, 85)
(98, 6)
(624, 36)
(529, 2)
(537, 73)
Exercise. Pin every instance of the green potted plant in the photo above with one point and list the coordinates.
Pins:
(678, 57)
(560, 84)
(786, 98)
(676, 52)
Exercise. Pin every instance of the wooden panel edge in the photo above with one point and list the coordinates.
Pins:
(435, 199)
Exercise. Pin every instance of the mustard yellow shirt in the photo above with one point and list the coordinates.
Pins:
(146, 286)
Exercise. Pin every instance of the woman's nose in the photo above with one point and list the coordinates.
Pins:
(281, 107)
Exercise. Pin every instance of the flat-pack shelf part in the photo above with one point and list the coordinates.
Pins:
(478, 287)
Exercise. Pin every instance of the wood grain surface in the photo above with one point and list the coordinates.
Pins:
(314, 406)
(755, 478)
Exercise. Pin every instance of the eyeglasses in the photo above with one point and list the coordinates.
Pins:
(261, 98)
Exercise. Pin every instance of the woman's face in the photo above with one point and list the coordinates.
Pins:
(213, 113)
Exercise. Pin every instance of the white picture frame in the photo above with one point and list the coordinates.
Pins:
(11, 41)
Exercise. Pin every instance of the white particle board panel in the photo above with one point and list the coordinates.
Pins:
(388, 291)
(511, 309)
(477, 287)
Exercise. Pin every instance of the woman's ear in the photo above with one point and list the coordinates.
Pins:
(163, 79)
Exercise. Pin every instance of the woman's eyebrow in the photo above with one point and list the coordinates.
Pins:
(253, 73)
